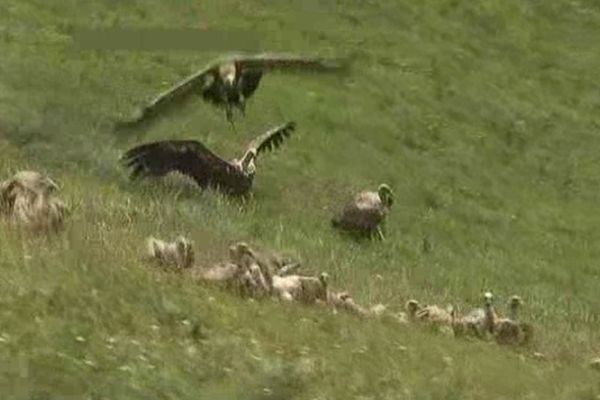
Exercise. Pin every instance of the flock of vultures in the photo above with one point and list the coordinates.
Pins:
(30, 200)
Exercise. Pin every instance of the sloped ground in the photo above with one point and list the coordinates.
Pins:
(483, 116)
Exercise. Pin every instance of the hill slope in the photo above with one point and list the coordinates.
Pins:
(483, 117)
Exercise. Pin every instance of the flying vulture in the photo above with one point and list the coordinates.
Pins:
(192, 158)
(365, 214)
(229, 82)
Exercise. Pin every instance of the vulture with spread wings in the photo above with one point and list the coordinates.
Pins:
(192, 158)
(229, 82)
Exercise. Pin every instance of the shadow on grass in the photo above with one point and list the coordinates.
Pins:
(177, 187)
(356, 236)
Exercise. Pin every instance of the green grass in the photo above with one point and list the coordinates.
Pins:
(483, 116)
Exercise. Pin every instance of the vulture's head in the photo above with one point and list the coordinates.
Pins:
(488, 298)
(324, 279)
(514, 304)
(412, 307)
(515, 301)
(227, 72)
(247, 163)
(385, 194)
(240, 251)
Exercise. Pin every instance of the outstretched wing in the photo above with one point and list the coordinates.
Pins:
(252, 67)
(249, 81)
(291, 62)
(188, 157)
(272, 139)
(176, 94)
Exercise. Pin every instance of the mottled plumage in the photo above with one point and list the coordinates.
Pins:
(433, 314)
(193, 159)
(509, 330)
(228, 82)
(365, 214)
(479, 322)
(273, 262)
(305, 289)
(29, 199)
(179, 253)
(343, 301)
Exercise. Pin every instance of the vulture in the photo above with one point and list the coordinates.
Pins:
(365, 214)
(479, 322)
(273, 263)
(228, 82)
(305, 289)
(179, 253)
(412, 307)
(429, 313)
(510, 330)
(193, 159)
(343, 301)
(30, 199)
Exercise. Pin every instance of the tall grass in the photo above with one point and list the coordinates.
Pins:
(482, 116)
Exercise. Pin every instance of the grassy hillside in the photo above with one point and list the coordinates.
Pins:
(483, 116)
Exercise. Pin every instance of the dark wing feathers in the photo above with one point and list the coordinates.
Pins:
(289, 62)
(251, 69)
(272, 138)
(188, 157)
(249, 81)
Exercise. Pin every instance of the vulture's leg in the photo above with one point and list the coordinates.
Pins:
(380, 233)
(242, 105)
(230, 120)
(233, 126)
(229, 115)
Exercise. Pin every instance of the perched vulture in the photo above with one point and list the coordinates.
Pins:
(234, 277)
(229, 82)
(479, 322)
(432, 313)
(489, 321)
(243, 255)
(30, 199)
(193, 159)
(510, 330)
(179, 253)
(343, 301)
(305, 289)
(365, 214)
(275, 263)
(412, 307)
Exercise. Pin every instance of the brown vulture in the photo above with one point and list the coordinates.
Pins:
(192, 158)
(31, 199)
(509, 330)
(229, 82)
(365, 214)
